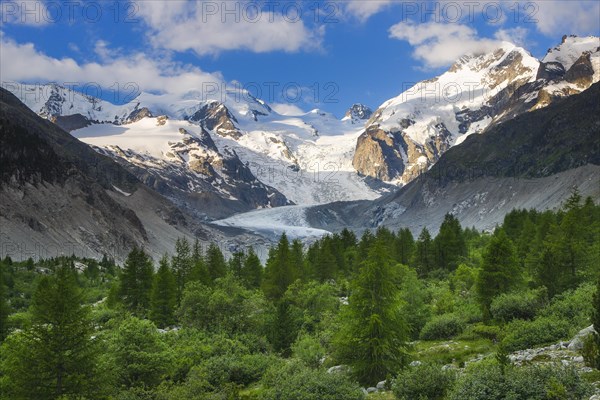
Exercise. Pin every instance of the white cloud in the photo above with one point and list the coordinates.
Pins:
(364, 9)
(22, 62)
(516, 35)
(555, 18)
(208, 27)
(287, 109)
(439, 44)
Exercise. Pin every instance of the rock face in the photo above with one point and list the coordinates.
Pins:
(358, 113)
(409, 133)
(214, 116)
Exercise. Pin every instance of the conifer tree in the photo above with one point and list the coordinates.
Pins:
(373, 336)
(326, 265)
(423, 258)
(449, 244)
(182, 264)
(405, 246)
(278, 271)
(500, 271)
(163, 297)
(215, 262)
(56, 356)
(4, 308)
(297, 260)
(136, 282)
(236, 264)
(253, 270)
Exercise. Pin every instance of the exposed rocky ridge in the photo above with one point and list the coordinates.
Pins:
(532, 161)
(358, 113)
(425, 121)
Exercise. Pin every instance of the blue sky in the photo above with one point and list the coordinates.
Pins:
(307, 54)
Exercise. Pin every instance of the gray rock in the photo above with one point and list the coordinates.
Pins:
(336, 369)
(577, 341)
(371, 390)
(415, 363)
(381, 385)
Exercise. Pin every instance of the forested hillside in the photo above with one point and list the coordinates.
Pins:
(444, 317)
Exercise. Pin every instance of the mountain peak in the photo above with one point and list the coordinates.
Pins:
(358, 112)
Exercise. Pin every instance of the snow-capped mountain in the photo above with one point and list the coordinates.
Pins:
(409, 133)
(358, 113)
(217, 156)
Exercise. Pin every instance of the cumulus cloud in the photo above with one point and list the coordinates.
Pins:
(209, 27)
(555, 18)
(440, 44)
(22, 62)
(363, 10)
(516, 35)
(287, 109)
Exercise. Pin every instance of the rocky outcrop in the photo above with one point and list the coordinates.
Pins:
(358, 113)
(214, 116)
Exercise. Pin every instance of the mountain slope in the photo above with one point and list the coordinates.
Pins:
(531, 161)
(409, 133)
(59, 196)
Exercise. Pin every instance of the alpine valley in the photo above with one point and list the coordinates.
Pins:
(497, 131)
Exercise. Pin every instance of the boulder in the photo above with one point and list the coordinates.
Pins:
(577, 341)
(381, 385)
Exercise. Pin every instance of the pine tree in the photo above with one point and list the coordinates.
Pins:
(596, 323)
(163, 297)
(4, 308)
(278, 272)
(326, 265)
(252, 271)
(182, 264)
(136, 282)
(215, 262)
(56, 356)
(236, 264)
(373, 336)
(450, 245)
(297, 260)
(500, 271)
(423, 258)
(405, 246)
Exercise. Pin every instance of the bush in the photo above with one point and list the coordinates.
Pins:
(242, 370)
(294, 380)
(442, 327)
(573, 305)
(308, 349)
(522, 335)
(424, 382)
(486, 381)
(520, 305)
(481, 331)
(591, 352)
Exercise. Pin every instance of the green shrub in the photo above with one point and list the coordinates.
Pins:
(481, 331)
(294, 380)
(527, 334)
(442, 327)
(591, 352)
(486, 381)
(308, 349)
(520, 305)
(424, 382)
(573, 305)
(242, 370)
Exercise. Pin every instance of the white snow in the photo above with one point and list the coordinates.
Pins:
(572, 48)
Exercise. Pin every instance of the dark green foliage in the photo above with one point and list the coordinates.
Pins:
(500, 272)
(182, 264)
(163, 298)
(252, 271)
(405, 246)
(424, 255)
(594, 342)
(522, 335)
(136, 282)
(215, 262)
(423, 382)
(296, 381)
(4, 308)
(278, 271)
(450, 246)
(373, 338)
(137, 354)
(518, 305)
(56, 356)
(486, 381)
(444, 326)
